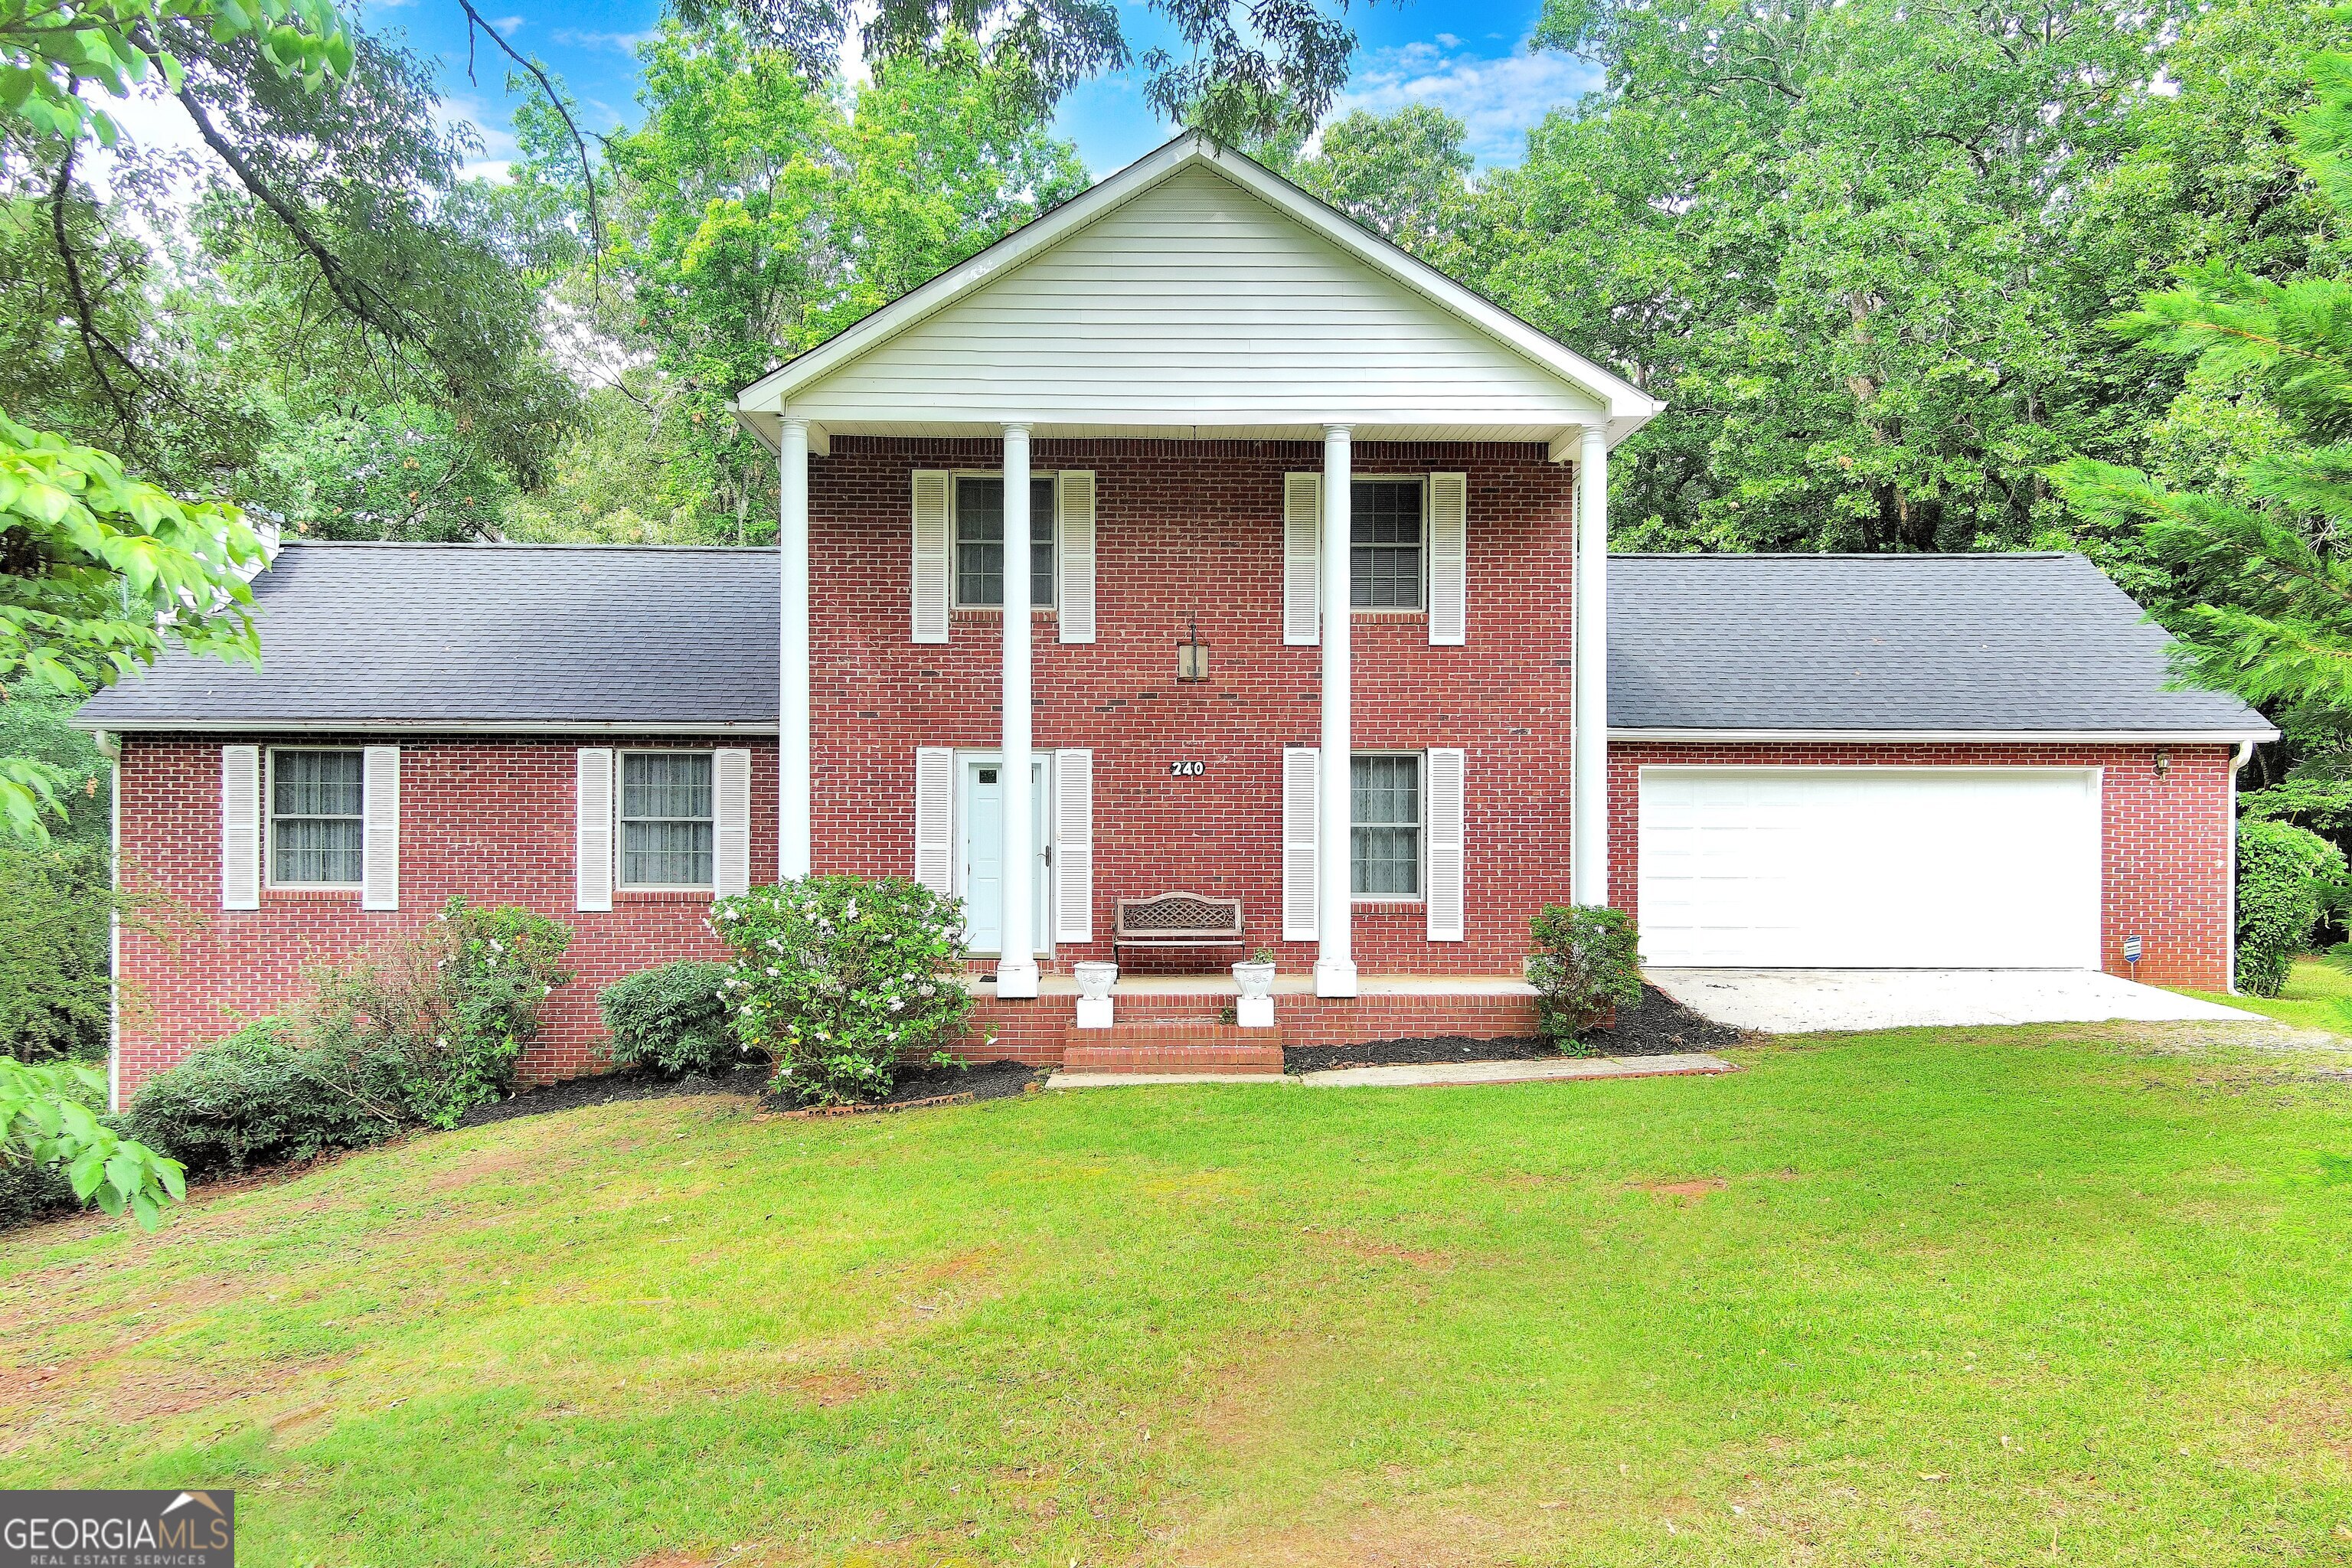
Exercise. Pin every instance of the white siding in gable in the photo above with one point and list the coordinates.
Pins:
(1197, 303)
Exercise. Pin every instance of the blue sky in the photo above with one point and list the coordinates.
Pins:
(1469, 57)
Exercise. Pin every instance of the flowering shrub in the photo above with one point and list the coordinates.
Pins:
(839, 979)
(1584, 966)
(455, 1006)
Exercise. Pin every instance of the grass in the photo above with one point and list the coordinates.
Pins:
(2317, 996)
(2057, 1295)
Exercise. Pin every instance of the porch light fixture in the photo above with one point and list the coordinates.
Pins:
(2163, 763)
(1192, 654)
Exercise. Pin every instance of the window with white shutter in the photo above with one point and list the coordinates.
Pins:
(1074, 846)
(1077, 545)
(1449, 559)
(1302, 532)
(935, 818)
(380, 836)
(240, 828)
(593, 830)
(931, 552)
(1447, 787)
(1298, 813)
(731, 801)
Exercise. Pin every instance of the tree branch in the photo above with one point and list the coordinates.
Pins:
(555, 99)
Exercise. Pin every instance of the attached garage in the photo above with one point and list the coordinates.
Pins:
(1915, 762)
(1870, 867)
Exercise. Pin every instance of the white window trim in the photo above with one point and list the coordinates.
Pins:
(984, 756)
(1354, 609)
(955, 477)
(620, 823)
(270, 823)
(1421, 828)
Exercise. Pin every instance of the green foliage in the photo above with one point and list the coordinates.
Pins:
(452, 1008)
(49, 1117)
(1584, 962)
(672, 1020)
(48, 50)
(1405, 177)
(262, 1097)
(2283, 877)
(2306, 799)
(838, 980)
(54, 986)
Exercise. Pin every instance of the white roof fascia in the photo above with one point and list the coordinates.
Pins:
(259, 725)
(1628, 408)
(2005, 737)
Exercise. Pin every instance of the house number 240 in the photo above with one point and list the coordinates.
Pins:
(1187, 770)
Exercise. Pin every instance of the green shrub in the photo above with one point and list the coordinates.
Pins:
(53, 983)
(839, 980)
(672, 1020)
(263, 1096)
(450, 1011)
(2282, 888)
(49, 1119)
(1585, 964)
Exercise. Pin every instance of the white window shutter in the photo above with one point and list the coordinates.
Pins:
(593, 830)
(1302, 534)
(730, 826)
(1298, 813)
(1446, 789)
(380, 829)
(930, 586)
(240, 828)
(935, 818)
(1074, 846)
(1449, 559)
(1078, 544)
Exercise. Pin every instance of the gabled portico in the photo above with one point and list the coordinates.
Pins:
(1195, 297)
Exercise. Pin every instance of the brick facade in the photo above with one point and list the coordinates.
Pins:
(2166, 844)
(1184, 528)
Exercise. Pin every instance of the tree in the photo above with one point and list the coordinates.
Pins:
(1406, 177)
(2261, 591)
(1831, 236)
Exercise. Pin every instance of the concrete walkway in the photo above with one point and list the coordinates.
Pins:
(1805, 1001)
(1423, 1075)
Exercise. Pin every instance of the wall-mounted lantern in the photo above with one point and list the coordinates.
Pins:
(2163, 763)
(1192, 654)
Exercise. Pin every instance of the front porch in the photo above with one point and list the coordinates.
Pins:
(1385, 1008)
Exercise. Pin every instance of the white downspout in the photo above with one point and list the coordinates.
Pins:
(2229, 837)
(110, 747)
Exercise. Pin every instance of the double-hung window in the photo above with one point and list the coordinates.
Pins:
(667, 827)
(317, 817)
(1386, 544)
(1385, 811)
(980, 541)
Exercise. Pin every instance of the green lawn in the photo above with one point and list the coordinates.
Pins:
(2311, 1000)
(2061, 1295)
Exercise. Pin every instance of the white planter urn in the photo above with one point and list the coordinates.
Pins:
(1094, 980)
(1253, 1009)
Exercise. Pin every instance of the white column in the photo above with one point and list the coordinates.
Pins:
(1588, 849)
(1335, 960)
(1017, 967)
(793, 795)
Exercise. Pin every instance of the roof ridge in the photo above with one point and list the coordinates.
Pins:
(518, 544)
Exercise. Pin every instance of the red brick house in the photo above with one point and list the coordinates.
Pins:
(1214, 407)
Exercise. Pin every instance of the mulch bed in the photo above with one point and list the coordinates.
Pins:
(1656, 1026)
(608, 1089)
(938, 1085)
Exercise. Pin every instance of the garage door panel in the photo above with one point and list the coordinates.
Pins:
(1870, 867)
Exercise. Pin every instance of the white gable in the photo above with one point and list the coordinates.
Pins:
(1195, 295)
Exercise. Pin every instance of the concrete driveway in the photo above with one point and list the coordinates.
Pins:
(1802, 1001)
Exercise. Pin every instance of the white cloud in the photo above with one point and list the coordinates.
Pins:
(621, 43)
(1500, 98)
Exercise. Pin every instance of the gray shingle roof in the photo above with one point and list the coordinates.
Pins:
(555, 637)
(1997, 643)
(467, 635)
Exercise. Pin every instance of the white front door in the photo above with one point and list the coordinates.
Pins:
(1862, 868)
(980, 810)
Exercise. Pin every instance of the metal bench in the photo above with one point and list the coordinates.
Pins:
(1177, 919)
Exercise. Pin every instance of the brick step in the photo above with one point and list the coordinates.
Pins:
(1172, 1048)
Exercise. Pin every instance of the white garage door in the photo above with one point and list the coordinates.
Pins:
(1871, 867)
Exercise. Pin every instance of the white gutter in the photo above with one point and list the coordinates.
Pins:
(2051, 737)
(419, 727)
(2229, 837)
(110, 747)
